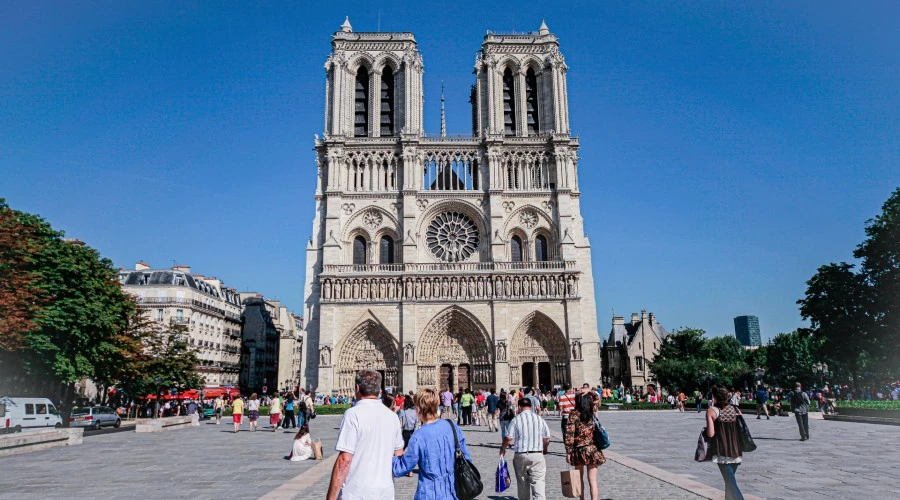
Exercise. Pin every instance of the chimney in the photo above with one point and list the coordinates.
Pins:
(183, 268)
(635, 319)
(141, 265)
(643, 314)
(618, 320)
(651, 318)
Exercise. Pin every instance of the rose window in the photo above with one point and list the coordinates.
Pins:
(452, 237)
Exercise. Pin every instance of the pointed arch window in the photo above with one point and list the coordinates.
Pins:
(515, 249)
(386, 250)
(540, 248)
(531, 102)
(387, 102)
(359, 251)
(509, 103)
(361, 103)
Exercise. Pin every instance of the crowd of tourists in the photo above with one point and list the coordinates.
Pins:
(386, 435)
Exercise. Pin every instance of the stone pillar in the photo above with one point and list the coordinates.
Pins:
(375, 101)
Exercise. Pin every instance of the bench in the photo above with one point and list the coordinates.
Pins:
(167, 423)
(23, 442)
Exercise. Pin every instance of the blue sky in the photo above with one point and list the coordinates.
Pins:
(728, 150)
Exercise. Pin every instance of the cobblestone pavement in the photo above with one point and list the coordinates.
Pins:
(211, 462)
(616, 481)
(842, 460)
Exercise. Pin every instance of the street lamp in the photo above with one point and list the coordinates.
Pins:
(821, 369)
(158, 382)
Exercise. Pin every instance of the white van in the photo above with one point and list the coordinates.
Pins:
(27, 413)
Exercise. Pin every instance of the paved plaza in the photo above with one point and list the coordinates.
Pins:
(843, 460)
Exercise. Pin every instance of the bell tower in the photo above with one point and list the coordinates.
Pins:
(373, 85)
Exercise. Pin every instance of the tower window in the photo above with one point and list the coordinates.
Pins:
(387, 103)
(540, 248)
(531, 102)
(361, 99)
(386, 250)
(515, 249)
(509, 103)
(359, 251)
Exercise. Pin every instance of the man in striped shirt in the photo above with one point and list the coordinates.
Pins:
(566, 404)
(529, 438)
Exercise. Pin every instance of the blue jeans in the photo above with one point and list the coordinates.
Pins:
(732, 492)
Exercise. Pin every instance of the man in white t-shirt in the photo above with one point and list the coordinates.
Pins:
(368, 439)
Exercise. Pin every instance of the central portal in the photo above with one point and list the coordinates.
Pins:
(455, 348)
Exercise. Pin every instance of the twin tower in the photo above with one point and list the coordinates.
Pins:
(448, 262)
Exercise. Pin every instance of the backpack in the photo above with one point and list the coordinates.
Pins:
(301, 405)
(410, 419)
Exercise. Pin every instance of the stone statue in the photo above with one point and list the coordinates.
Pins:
(325, 356)
(326, 290)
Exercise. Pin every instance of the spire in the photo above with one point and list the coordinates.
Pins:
(346, 28)
(443, 118)
(543, 30)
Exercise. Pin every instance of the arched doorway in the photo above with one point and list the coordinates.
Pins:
(455, 352)
(368, 346)
(538, 354)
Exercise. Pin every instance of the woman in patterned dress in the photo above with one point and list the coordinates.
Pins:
(581, 451)
(722, 429)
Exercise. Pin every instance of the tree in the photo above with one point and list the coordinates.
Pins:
(78, 326)
(170, 359)
(791, 357)
(677, 364)
(856, 313)
(20, 296)
(880, 267)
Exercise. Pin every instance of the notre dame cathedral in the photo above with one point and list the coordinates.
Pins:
(448, 261)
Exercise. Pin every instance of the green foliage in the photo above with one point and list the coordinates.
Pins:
(856, 312)
(331, 409)
(640, 406)
(78, 326)
(791, 357)
(688, 361)
(870, 405)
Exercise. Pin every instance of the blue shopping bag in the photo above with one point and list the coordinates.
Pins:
(503, 479)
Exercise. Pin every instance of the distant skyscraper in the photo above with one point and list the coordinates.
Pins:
(746, 329)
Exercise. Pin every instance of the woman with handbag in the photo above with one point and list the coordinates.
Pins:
(722, 429)
(302, 448)
(504, 412)
(581, 450)
(433, 448)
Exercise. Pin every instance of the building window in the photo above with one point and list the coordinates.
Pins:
(509, 103)
(515, 249)
(359, 251)
(540, 248)
(386, 252)
(179, 313)
(531, 102)
(639, 363)
(361, 101)
(159, 315)
(387, 102)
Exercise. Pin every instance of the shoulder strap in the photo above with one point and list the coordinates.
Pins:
(455, 437)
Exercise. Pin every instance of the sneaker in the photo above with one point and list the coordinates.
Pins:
(757, 417)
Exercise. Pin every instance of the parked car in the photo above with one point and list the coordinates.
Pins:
(94, 417)
(27, 413)
(208, 411)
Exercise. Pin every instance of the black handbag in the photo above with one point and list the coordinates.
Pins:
(468, 480)
(747, 444)
(705, 448)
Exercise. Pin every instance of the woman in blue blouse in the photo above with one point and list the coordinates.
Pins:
(432, 448)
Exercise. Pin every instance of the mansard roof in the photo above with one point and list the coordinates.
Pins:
(175, 278)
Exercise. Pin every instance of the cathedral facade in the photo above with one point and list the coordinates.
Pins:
(448, 262)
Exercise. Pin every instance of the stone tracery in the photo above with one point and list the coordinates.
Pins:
(536, 340)
(455, 337)
(368, 345)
